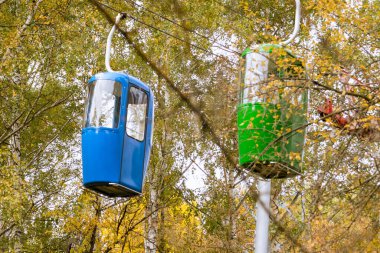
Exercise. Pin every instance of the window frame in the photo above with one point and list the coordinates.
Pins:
(130, 86)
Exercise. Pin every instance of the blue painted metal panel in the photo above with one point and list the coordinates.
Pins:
(109, 155)
(132, 164)
(101, 154)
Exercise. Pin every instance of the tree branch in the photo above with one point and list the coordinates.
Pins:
(161, 73)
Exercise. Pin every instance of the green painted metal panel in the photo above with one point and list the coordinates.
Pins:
(258, 126)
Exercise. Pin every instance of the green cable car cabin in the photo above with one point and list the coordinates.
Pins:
(272, 112)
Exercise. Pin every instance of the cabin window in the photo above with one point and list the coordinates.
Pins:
(136, 113)
(258, 71)
(103, 104)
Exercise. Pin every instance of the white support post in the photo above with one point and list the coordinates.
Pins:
(262, 217)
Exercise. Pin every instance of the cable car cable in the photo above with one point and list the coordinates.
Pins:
(225, 48)
(232, 10)
(180, 39)
(167, 33)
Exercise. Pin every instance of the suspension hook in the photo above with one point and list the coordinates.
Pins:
(119, 17)
(296, 24)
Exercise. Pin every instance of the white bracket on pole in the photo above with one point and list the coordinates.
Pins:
(119, 17)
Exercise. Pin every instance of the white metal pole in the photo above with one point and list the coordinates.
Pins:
(262, 216)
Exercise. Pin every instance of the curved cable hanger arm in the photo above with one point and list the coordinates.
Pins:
(119, 17)
(297, 20)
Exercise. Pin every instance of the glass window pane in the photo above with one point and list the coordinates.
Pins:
(294, 95)
(256, 75)
(136, 114)
(103, 104)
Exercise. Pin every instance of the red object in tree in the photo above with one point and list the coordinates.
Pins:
(340, 120)
(327, 109)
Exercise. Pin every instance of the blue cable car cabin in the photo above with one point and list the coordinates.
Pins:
(117, 134)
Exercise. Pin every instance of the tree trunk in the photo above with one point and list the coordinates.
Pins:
(14, 163)
(93, 239)
(94, 232)
(15, 140)
(152, 206)
(232, 229)
(155, 179)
